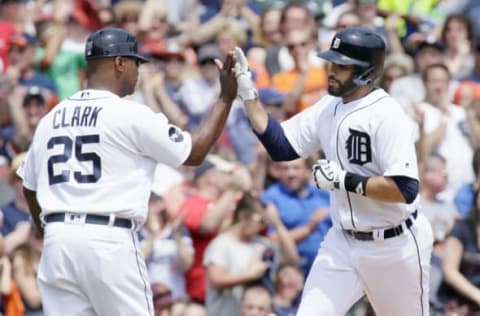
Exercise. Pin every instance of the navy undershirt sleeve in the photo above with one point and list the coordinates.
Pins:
(408, 187)
(276, 143)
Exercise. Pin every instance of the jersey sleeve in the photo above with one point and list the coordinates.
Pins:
(301, 131)
(26, 171)
(158, 139)
(395, 144)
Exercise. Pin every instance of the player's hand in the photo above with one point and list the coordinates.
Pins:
(246, 87)
(228, 82)
(328, 175)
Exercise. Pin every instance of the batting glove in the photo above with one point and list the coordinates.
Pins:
(246, 89)
(328, 175)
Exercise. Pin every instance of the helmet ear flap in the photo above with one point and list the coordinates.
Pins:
(362, 79)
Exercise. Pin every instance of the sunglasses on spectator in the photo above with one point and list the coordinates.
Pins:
(302, 44)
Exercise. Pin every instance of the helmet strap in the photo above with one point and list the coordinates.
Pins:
(362, 79)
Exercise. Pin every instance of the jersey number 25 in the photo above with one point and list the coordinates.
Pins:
(68, 146)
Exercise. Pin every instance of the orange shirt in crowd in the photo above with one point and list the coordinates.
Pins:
(315, 85)
(467, 87)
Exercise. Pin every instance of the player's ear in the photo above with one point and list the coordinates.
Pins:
(120, 63)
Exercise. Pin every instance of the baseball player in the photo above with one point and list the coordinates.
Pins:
(87, 178)
(380, 243)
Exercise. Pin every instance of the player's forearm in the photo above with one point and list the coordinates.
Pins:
(384, 189)
(208, 132)
(257, 115)
(35, 210)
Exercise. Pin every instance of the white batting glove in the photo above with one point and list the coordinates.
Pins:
(246, 89)
(328, 175)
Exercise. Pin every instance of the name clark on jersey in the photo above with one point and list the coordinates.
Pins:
(80, 116)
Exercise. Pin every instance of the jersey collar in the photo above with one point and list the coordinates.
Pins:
(92, 94)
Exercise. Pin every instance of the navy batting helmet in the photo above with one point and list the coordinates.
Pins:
(111, 42)
(360, 47)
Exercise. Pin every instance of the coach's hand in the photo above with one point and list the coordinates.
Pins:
(228, 83)
(328, 175)
(246, 87)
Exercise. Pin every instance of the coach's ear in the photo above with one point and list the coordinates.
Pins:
(120, 63)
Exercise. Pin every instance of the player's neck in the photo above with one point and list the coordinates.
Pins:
(358, 93)
(98, 83)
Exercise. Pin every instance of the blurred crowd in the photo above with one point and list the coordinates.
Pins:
(238, 234)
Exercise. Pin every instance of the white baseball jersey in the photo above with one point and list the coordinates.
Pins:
(96, 153)
(370, 137)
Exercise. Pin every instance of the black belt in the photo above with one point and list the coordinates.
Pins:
(89, 219)
(387, 233)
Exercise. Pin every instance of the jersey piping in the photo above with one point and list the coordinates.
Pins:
(338, 153)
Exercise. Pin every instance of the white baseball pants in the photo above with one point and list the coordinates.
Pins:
(89, 269)
(393, 274)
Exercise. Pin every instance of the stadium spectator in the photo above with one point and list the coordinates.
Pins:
(168, 252)
(302, 208)
(256, 301)
(461, 290)
(294, 16)
(475, 74)
(457, 34)
(397, 65)
(445, 126)
(288, 288)
(441, 214)
(16, 216)
(66, 67)
(465, 195)
(217, 186)
(306, 82)
(409, 90)
(239, 255)
(25, 261)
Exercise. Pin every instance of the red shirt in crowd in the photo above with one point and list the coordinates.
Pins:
(196, 207)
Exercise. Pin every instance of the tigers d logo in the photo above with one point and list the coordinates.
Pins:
(336, 43)
(358, 147)
(174, 134)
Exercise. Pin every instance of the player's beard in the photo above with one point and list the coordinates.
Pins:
(342, 89)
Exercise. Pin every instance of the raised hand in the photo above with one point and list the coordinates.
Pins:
(246, 87)
(228, 82)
